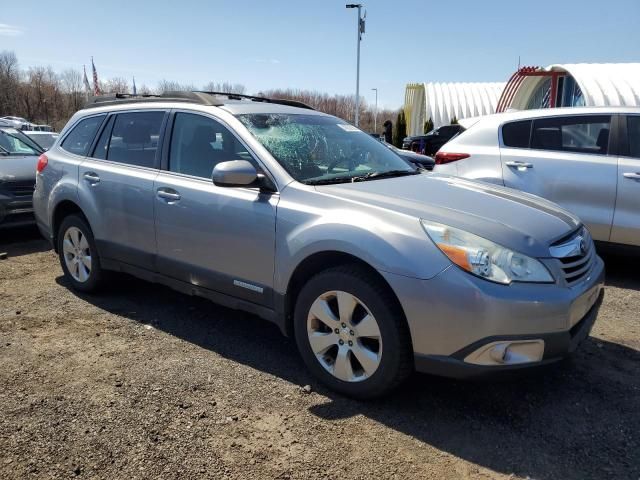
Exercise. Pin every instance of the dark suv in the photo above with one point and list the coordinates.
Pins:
(431, 142)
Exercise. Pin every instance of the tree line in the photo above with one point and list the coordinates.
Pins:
(44, 96)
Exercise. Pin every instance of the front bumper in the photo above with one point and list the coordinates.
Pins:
(454, 314)
(557, 345)
(15, 213)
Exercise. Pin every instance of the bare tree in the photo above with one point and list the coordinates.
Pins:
(224, 87)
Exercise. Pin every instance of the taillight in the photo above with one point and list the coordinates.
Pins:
(447, 157)
(42, 163)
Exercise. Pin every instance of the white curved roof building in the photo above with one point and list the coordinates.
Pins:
(572, 85)
(558, 85)
(443, 101)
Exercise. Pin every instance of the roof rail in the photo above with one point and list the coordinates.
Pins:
(201, 98)
(240, 96)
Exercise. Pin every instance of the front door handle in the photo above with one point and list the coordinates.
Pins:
(519, 165)
(91, 177)
(168, 194)
(632, 176)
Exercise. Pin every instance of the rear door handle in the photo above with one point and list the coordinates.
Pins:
(91, 177)
(519, 165)
(632, 176)
(168, 194)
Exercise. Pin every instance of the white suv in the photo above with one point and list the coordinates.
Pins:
(585, 159)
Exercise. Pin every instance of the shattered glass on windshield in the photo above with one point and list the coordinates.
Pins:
(318, 149)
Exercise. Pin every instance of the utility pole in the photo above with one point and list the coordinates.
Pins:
(360, 31)
(375, 113)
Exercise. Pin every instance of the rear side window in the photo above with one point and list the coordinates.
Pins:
(80, 137)
(516, 134)
(588, 134)
(633, 133)
(134, 139)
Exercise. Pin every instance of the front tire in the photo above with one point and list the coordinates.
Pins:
(78, 254)
(351, 332)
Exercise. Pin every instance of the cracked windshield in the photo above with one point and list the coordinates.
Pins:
(321, 150)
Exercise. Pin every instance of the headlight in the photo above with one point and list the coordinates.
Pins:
(484, 258)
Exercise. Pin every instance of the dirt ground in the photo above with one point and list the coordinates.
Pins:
(142, 382)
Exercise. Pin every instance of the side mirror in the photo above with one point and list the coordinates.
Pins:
(240, 173)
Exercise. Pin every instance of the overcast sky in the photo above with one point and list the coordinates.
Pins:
(312, 45)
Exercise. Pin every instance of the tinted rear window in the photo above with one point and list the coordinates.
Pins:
(579, 134)
(134, 138)
(516, 134)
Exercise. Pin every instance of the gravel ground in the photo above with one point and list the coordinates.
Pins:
(143, 382)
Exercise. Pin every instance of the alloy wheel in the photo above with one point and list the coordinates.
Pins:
(77, 254)
(344, 336)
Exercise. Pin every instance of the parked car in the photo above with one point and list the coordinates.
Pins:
(431, 142)
(585, 159)
(423, 161)
(268, 206)
(17, 122)
(18, 158)
(41, 128)
(43, 138)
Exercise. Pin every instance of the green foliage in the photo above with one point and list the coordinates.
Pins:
(428, 125)
(400, 130)
(454, 120)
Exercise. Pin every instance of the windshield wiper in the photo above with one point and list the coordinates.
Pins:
(328, 181)
(387, 174)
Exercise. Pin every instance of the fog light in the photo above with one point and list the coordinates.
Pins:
(508, 352)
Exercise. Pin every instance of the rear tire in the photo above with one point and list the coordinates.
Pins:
(351, 332)
(78, 254)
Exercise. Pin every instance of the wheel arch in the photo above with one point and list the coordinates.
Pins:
(60, 212)
(314, 264)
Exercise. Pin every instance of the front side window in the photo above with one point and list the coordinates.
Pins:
(318, 149)
(199, 143)
(80, 137)
(134, 139)
(588, 134)
(516, 134)
(14, 142)
(633, 134)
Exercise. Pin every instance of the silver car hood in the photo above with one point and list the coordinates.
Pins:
(18, 168)
(516, 220)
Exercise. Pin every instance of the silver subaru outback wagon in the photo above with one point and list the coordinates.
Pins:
(374, 267)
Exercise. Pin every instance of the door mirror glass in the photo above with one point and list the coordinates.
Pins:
(234, 173)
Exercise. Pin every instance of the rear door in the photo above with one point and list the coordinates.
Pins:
(565, 159)
(626, 220)
(116, 186)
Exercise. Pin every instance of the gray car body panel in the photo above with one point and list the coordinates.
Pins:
(252, 247)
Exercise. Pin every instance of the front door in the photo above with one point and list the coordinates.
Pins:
(568, 162)
(219, 238)
(626, 220)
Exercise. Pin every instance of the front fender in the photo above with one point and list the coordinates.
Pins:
(389, 242)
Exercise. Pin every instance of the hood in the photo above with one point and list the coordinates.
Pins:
(513, 219)
(18, 168)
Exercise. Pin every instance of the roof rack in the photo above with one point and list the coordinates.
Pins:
(240, 96)
(119, 98)
(199, 97)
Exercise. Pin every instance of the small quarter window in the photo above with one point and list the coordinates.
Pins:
(80, 137)
(516, 134)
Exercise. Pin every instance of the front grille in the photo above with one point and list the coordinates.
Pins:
(575, 256)
(20, 188)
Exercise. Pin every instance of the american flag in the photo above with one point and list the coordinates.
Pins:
(96, 87)
(87, 87)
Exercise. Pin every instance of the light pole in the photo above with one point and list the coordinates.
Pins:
(375, 113)
(360, 31)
